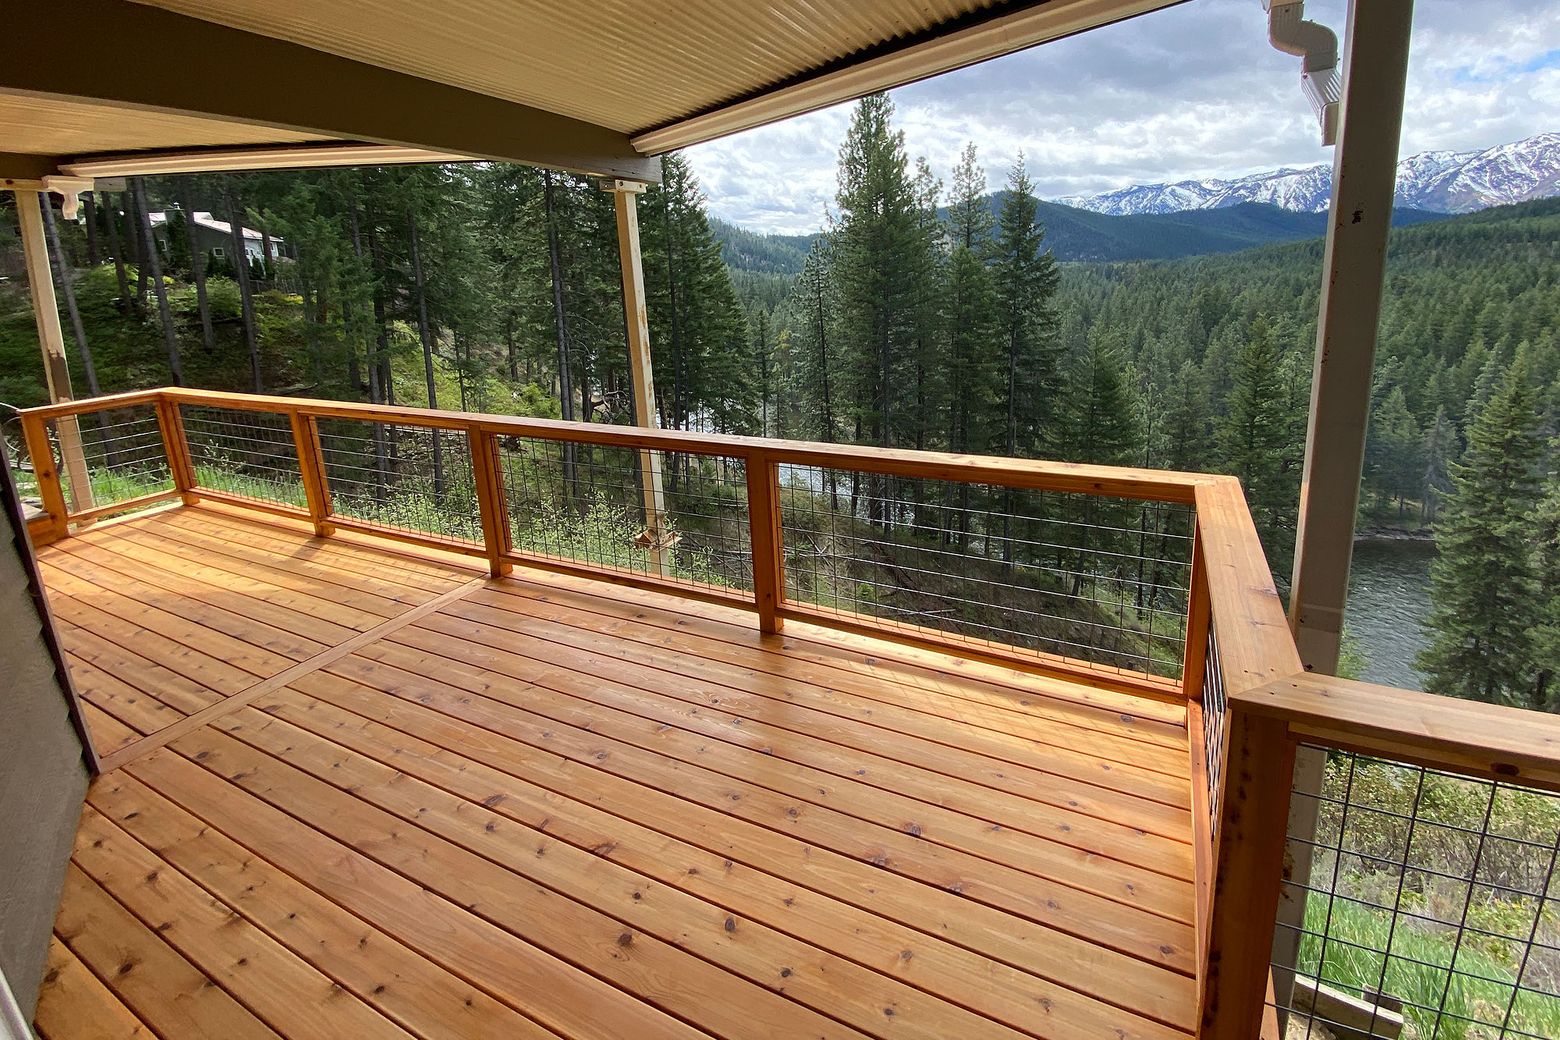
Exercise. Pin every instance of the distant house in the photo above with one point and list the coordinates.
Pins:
(215, 238)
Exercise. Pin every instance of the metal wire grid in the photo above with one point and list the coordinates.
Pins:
(1214, 703)
(244, 453)
(585, 503)
(1433, 893)
(1097, 579)
(414, 479)
(124, 454)
(16, 454)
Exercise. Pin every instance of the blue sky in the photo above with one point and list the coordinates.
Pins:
(1193, 91)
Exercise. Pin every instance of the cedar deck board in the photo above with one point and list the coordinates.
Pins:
(457, 824)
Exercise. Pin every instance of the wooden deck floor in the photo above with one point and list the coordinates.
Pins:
(385, 796)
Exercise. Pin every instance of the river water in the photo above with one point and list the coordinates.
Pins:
(1389, 598)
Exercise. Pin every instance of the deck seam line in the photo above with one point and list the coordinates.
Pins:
(152, 741)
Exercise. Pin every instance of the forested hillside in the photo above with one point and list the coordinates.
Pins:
(929, 316)
(921, 321)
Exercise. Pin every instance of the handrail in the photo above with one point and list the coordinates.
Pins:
(762, 458)
(1113, 481)
(1239, 652)
(1255, 642)
(1488, 741)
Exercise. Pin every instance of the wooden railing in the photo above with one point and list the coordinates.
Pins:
(1249, 702)
(1254, 709)
(288, 433)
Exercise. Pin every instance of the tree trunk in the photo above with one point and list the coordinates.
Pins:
(375, 390)
(90, 208)
(425, 334)
(154, 263)
(119, 252)
(560, 321)
(266, 251)
(137, 248)
(208, 336)
(245, 295)
(68, 290)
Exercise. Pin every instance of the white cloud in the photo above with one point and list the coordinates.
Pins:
(1193, 91)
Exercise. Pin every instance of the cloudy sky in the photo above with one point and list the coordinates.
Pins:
(1193, 91)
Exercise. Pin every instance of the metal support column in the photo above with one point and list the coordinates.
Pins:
(657, 536)
(51, 338)
(1364, 177)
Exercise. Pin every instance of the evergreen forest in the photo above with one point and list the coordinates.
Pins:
(926, 315)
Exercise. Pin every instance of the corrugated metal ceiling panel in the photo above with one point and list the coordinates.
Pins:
(625, 65)
(40, 126)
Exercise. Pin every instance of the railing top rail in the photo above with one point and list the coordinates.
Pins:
(1489, 741)
(1113, 481)
(1256, 645)
(93, 404)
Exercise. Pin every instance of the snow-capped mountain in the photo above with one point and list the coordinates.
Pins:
(1441, 182)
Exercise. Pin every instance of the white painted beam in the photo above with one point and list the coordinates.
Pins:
(625, 199)
(941, 50)
(51, 339)
(1354, 270)
(231, 160)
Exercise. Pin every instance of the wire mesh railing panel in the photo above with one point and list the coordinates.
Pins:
(414, 479)
(1095, 579)
(1215, 725)
(17, 458)
(586, 504)
(245, 453)
(1430, 909)
(123, 454)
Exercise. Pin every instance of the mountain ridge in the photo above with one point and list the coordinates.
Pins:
(1073, 234)
(1436, 182)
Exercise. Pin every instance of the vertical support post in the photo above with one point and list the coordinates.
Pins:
(1259, 764)
(311, 466)
(764, 531)
(51, 338)
(1364, 176)
(1199, 618)
(485, 467)
(170, 423)
(1375, 70)
(35, 433)
(641, 377)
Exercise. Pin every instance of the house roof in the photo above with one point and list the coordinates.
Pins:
(596, 85)
(206, 220)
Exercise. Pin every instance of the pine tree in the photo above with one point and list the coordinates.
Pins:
(1546, 560)
(1026, 279)
(1393, 459)
(875, 266)
(970, 365)
(1099, 424)
(1026, 282)
(1484, 589)
(1256, 441)
(812, 316)
(1440, 448)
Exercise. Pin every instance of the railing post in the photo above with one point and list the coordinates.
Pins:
(35, 433)
(311, 466)
(1199, 617)
(170, 423)
(486, 469)
(763, 487)
(1258, 770)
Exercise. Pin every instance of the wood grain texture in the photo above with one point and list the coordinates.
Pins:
(1490, 741)
(507, 807)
